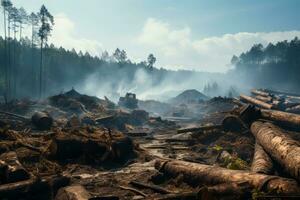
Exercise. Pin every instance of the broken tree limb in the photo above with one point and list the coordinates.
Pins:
(279, 146)
(262, 163)
(201, 128)
(133, 190)
(284, 118)
(211, 175)
(282, 93)
(256, 102)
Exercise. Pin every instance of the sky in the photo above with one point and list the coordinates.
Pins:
(199, 35)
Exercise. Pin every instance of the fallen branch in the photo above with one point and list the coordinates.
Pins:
(133, 190)
(152, 187)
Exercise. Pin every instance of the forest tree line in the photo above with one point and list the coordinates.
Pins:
(275, 66)
(30, 67)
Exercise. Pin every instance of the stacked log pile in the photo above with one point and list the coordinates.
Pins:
(269, 99)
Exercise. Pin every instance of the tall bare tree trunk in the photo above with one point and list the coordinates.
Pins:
(279, 146)
(5, 59)
(41, 70)
(33, 84)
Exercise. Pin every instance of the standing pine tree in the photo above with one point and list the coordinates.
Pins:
(5, 4)
(46, 21)
(34, 22)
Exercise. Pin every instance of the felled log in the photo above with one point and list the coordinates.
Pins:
(42, 120)
(260, 93)
(226, 191)
(284, 118)
(201, 128)
(198, 174)
(264, 99)
(279, 146)
(295, 109)
(76, 192)
(282, 93)
(262, 163)
(12, 169)
(16, 188)
(256, 102)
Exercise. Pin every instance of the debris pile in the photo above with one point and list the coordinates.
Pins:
(75, 146)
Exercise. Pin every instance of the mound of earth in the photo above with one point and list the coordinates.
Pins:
(189, 97)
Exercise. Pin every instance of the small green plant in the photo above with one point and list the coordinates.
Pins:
(217, 148)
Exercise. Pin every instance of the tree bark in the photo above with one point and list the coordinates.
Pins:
(279, 146)
(262, 163)
(213, 175)
(284, 118)
(256, 102)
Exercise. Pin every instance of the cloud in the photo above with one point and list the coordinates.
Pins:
(64, 34)
(176, 49)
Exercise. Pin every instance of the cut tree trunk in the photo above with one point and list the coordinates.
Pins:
(42, 120)
(198, 174)
(279, 146)
(73, 193)
(262, 163)
(256, 102)
(284, 118)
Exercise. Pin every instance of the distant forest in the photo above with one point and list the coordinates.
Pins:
(30, 67)
(275, 66)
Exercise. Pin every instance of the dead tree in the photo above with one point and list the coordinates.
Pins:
(279, 146)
